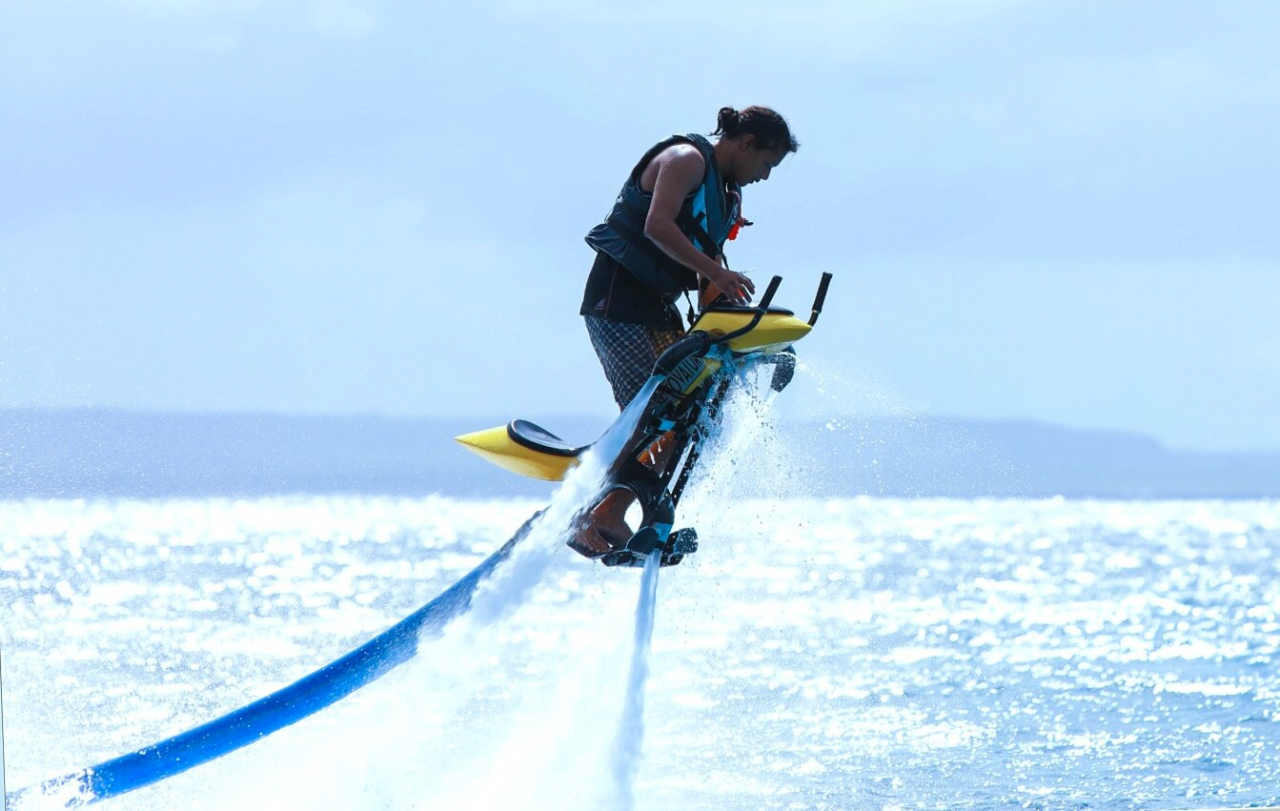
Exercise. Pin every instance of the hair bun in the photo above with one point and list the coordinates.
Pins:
(728, 120)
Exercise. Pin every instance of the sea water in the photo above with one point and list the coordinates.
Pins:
(848, 653)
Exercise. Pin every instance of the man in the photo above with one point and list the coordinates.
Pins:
(664, 237)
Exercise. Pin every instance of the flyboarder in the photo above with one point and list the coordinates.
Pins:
(663, 238)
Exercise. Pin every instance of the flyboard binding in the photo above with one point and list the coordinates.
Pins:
(691, 379)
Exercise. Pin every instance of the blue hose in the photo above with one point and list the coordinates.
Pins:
(288, 705)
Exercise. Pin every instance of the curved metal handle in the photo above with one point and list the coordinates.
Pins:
(760, 309)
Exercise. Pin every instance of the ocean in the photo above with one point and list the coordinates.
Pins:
(813, 654)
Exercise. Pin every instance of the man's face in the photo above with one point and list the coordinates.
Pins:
(758, 163)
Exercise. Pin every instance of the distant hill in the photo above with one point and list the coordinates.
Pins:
(969, 458)
(83, 453)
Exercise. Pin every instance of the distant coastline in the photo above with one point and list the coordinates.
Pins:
(98, 453)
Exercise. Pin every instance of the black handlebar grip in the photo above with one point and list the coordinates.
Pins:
(767, 298)
(820, 298)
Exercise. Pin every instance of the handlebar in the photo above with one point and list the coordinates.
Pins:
(820, 298)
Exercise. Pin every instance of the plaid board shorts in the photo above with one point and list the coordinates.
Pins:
(627, 352)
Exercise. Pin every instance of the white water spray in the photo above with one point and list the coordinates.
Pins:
(625, 758)
(511, 585)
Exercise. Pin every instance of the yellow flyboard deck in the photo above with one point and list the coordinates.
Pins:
(496, 445)
(776, 329)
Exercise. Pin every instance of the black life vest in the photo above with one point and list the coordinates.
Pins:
(707, 216)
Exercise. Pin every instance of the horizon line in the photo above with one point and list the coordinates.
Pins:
(596, 417)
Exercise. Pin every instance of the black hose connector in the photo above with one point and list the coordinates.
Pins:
(693, 345)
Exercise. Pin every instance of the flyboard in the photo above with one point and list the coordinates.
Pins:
(689, 383)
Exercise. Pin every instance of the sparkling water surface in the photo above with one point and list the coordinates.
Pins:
(856, 653)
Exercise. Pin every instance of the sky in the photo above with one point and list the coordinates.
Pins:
(1062, 211)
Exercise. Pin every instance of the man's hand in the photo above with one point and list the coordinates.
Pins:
(735, 286)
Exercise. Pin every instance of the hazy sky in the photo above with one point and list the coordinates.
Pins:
(1057, 210)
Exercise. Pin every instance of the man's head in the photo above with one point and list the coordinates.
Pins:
(752, 143)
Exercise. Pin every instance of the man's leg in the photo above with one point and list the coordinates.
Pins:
(627, 352)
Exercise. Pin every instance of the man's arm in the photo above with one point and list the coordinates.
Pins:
(680, 171)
